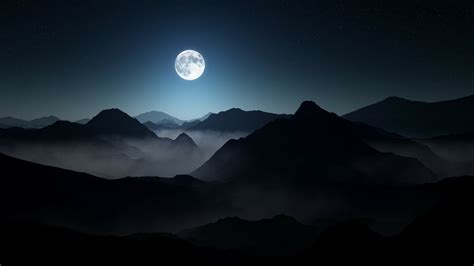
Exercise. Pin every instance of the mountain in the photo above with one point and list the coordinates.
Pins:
(116, 122)
(111, 145)
(189, 124)
(162, 126)
(418, 119)
(185, 141)
(83, 121)
(112, 122)
(39, 193)
(236, 120)
(313, 146)
(9, 121)
(390, 142)
(156, 117)
(280, 235)
(204, 117)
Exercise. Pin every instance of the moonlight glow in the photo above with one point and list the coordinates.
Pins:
(190, 65)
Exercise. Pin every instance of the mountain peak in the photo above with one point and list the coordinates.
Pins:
(110, 112)
(183, 138)
(309, 109)
(116, 122)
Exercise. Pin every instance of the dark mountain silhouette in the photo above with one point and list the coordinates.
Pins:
(35, 123)
(280, 235)
(37, 193)
(111, 122)
(185, 141)
(111, 145)
(234, 120)
(116, 122)
(418, 119)
(311, 147)
(391, 142)
(156, 117)
(450, 221)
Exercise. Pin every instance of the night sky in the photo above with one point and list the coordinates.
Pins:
(74, 58)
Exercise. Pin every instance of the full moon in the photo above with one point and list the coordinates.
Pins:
(190, 65)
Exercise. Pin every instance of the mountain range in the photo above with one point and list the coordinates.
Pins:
(418, 119)
(6, 122)
(44, 194)
(112, 144)
(235, 120)
(37, 200)
(157, 117)
(313, 146)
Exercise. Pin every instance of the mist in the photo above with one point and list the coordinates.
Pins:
(209, 141)
(116, 157)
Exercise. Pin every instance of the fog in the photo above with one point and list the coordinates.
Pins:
(116, 158)
(208, 141)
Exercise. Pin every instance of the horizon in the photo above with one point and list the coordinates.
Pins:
(218, 111)
(72, 59)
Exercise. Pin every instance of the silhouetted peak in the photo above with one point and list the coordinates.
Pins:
(309, 109)
(395, 99)
(230, 111)
(110, 114)
(183, 138)
(283, 218)
(116, 122)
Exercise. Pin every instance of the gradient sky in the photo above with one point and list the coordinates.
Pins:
(73, 58)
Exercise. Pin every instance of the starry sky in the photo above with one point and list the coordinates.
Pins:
(73, 58)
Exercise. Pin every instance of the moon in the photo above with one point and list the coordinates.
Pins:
(190, 65)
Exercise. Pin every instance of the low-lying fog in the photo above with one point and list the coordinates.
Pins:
(115, 158)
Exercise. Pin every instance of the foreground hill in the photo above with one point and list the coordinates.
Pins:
(44, 194)
(280, 235)
(418, 119)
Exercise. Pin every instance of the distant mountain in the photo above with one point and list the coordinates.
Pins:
(111, 145)
(83, 121)
(418, 119)
(112, 122)
(204, 117)
(190, 124)
(280, 235)
(390, 142)
(313, 146)
(116, 122)
(35, 123)
(156, 117)
(162, 126)
(185, 141)
(236, 120)
(88, 203)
